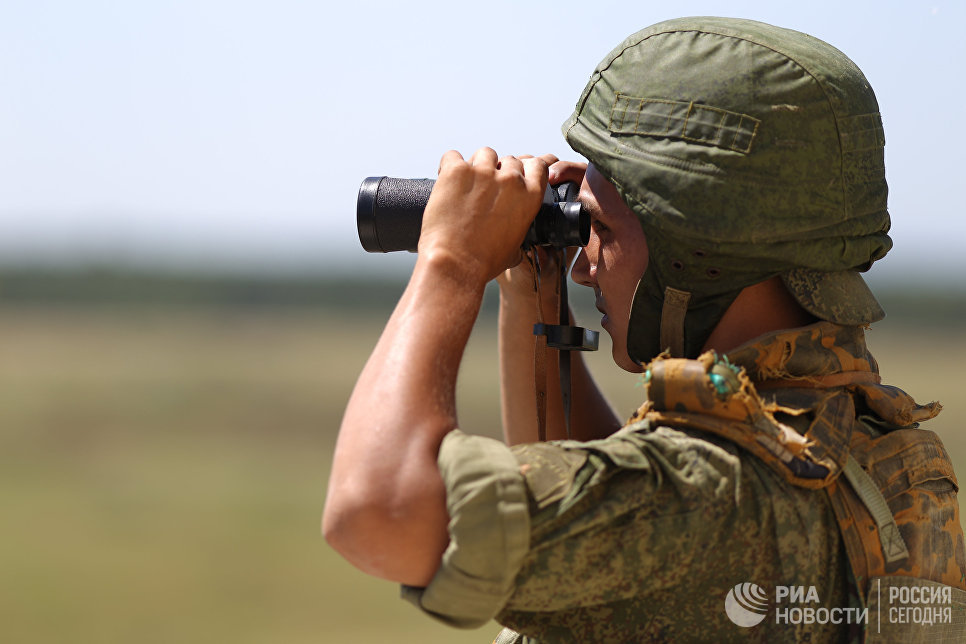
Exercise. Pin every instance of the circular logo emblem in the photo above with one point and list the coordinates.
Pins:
(746, 604)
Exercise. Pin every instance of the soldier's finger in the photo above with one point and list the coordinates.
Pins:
(451, 157)
(511, 164)
(548, 158)
(562, 171)
(485, 157)
(535, 171)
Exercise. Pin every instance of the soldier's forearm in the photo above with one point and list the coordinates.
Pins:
(517, 384)
(591, 415)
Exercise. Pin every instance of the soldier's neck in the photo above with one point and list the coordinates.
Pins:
(758, 309)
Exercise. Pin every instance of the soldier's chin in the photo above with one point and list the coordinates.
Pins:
(623, 359)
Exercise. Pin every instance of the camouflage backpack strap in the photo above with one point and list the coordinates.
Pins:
(893, 547)
(710, 394)
(911, 471)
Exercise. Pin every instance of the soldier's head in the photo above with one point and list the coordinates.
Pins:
(745, 152)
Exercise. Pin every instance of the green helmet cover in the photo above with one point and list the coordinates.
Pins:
(746, 151)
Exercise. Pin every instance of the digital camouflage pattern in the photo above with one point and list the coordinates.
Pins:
(640, 536)
(824, 378)
(747, 151)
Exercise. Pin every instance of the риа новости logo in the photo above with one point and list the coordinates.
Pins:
(746, 604)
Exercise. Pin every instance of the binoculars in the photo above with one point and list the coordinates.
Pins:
(389, 215)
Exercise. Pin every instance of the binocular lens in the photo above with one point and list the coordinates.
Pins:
(389, 213)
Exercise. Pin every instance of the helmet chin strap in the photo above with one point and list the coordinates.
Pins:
(672, 321)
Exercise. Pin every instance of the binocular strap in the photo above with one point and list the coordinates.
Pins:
(540, 351)
(541, 347)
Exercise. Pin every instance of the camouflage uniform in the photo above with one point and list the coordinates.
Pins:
(639, 537)
(747, 152)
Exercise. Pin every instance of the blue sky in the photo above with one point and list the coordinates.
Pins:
(234, 134)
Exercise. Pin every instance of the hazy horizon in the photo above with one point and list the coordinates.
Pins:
(232, 136)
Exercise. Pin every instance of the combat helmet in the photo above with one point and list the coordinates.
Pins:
(746, 151)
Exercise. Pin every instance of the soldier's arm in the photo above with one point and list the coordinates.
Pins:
(386, 505)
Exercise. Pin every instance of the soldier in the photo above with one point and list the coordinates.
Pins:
(736, 186)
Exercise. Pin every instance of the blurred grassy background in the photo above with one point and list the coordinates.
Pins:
(165, 444)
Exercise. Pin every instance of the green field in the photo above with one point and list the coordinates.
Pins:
(163, 468)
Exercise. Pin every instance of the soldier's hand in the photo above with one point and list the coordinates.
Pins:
(519, 282)
(480, 210)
